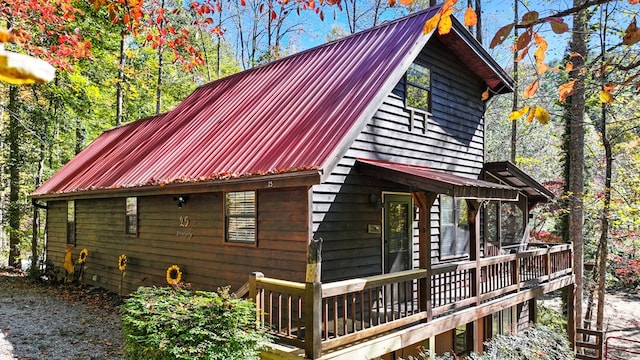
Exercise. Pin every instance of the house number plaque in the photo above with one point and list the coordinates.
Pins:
(184, 232)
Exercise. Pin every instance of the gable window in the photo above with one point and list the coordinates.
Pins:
(454, 227)
(240, 217)
(418, 87)
(131, 216)
(71, 222)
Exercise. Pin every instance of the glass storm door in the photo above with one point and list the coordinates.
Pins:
(398, 231)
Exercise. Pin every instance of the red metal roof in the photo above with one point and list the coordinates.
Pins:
(289, 115)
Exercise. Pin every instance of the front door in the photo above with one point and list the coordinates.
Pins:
(398, 232)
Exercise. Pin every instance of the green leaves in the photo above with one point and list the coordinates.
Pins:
(173, 323)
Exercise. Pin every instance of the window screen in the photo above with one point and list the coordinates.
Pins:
(240, 216)
(131, 216)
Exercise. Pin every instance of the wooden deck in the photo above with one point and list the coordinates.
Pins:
(322, 318)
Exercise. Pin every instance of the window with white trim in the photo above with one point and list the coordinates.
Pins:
(240, 217)
(131, 216)
(71, 222)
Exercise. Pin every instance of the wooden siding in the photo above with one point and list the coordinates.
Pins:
(451, 139)
(207, 262)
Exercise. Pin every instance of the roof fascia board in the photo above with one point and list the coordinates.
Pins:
(374, 105)
(480, 51)
(300, 178)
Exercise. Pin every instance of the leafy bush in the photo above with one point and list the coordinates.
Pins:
(173, 323)
(535, 343)
(626, 271)
(552, 319)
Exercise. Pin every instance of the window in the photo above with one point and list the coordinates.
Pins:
(131, 216)
(501, 322)
(71, 222)
(240, 217)
(454, 227)
(418, 87)
(463, 339)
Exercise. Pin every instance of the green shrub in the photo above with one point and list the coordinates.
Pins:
(535, 343)
(172, 323)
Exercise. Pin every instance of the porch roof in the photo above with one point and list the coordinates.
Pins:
(440, 182)
(508, 173)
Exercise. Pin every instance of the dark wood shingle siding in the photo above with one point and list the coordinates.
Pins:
(453, 141)
(207, 262)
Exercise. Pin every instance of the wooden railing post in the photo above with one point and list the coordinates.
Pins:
(313, 320)
(516, 272)
(548, 263)
(253, 294)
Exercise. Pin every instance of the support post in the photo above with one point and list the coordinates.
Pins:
(313, 301)
(253, 294)
(571, 318)
(425, 202)
(313, 320)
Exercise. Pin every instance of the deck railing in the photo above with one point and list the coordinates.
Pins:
(319, 317)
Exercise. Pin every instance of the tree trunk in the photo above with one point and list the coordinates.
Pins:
(576, 156)
(120, 83)
(160, 65)
(514, 124)
(15, 161)
(604, 235)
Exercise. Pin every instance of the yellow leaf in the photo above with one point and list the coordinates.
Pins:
(445, 25)
(431, 24)
(18, 69)
(542, 115)
(515, 115)
(470, 17)
(605, 97)
(565, 90)
(531, 90)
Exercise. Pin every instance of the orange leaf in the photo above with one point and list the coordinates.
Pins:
(531, 90)
(392, 3)
(470, 17)
(608, 87)
(575, 54)
(565, 90)
(5, 36)
(431, 24)
(529, 18)
(633, 2)
(485, 95)
(523, 53)
(406, 2)
(569, 66)
(532, 113)
(501, 35)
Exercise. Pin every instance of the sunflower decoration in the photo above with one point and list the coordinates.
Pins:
(174, 275)
(122, 262)
(82, 258)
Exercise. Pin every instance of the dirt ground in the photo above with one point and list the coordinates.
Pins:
(42, 321)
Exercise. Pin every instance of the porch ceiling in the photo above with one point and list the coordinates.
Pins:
(440, 182)
(509, 174)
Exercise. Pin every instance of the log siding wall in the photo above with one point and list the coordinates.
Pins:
(453, 140)
(207, 262)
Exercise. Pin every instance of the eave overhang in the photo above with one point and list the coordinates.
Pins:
(439, 182)
(256, 182)
(509, 174)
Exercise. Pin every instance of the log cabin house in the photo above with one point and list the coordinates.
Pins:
(344, 188)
